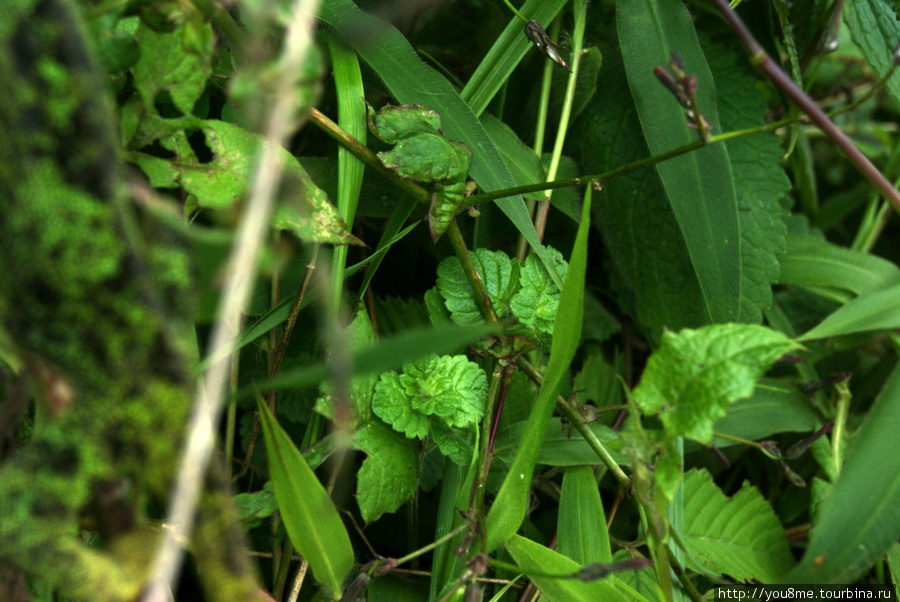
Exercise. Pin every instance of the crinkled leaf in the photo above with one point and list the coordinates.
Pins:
(740, 537)
(449, 387)
(759, 180)
(389, 475)
(220, 183)
(394, 406)
(169, 62)
(428, 158)
(696, 374)
(536, 302)
(499, 273)
(395, 123)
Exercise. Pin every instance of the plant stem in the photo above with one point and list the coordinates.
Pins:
(361, 152)
(840, 421)
(515, 12)
(784, 83)
(578, 422)
(433, 544)
(462, 253)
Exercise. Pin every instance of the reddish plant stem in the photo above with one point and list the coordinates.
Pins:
(784, 83)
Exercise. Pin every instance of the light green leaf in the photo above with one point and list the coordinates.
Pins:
(454, 443)
(449, 387)
(860, 521)
(253, 507)
(498, 272)
(394, 406)
(874, 28)
(537, 561)
(312, 523)
(165, 63)
(894, 564)
(581, 530)
(696, 374)
(411, 81)
(536, 303)
(220, 183)
(740, 537)
(389, 475)
(875, 310)
(508, 509)
(699, 185)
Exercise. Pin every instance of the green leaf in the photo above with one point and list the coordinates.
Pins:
(814, 262)
(696, 374)
(581, 529)
(449, 387)
(651, 265)
(875, 310)
(506, 53)
(498, 272)
(560, 446)
(536, 303)
(874, 28)
(740, 536)
(253, 507)
(760, 183)
(537, 561)
(860, 521)
(771, 409)
(389, 475)
(222, 182)
(359, 335)
(312, 523)
(454, 443)
(508, 509)
(166, 63)
(411, 81)
(699, 185)
(894, 564)
(523, 162)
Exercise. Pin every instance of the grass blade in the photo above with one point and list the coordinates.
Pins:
(508, 509)
(313, 524)
(582, 523)
(506, 53)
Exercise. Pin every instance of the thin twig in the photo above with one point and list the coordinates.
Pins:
(210, 400)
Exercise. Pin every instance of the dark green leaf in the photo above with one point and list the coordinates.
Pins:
(699, 185)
